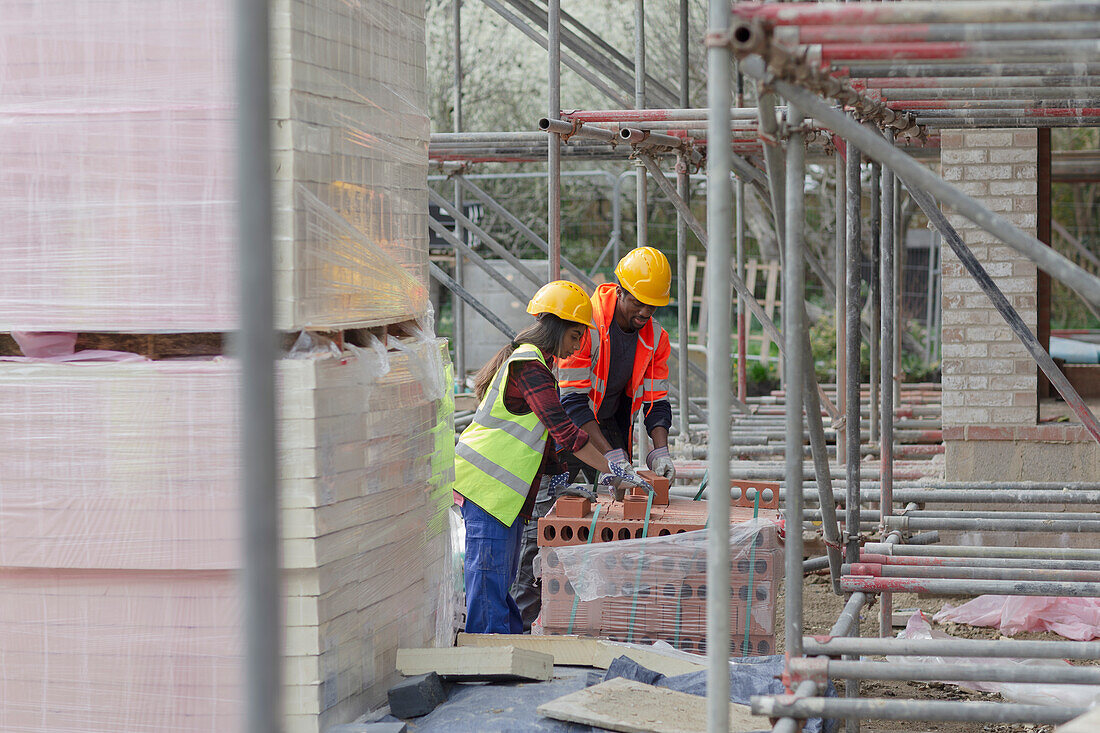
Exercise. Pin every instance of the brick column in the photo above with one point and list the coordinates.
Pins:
(989, 380)
(990, 383)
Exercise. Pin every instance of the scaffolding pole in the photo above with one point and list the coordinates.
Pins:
(553, 150)
(794, 321)
(720, 226)
(256, 348)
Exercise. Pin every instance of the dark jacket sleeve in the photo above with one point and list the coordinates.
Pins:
(657, 415)
(576, 405)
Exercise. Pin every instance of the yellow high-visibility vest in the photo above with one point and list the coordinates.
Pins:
(498, 455)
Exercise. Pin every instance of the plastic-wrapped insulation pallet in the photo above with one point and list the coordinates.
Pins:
(649, 589)
(118, 192)
(119, 603)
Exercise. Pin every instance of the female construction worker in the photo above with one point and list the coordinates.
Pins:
(504, 454)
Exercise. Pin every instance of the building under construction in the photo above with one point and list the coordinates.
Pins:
(229, 445)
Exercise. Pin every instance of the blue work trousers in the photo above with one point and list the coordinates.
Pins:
(492, 558)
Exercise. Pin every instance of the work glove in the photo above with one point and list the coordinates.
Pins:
(556, 483)
(660, 462)
(622, 474)
(579, 490)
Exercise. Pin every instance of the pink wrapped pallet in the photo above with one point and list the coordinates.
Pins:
(120, 531)
(110, 650)
(117, 189)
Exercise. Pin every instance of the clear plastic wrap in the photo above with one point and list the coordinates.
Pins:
(1028, 693)
(117, 189)
(120, 531)
(650, 589)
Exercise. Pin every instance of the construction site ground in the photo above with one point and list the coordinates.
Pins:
(821, 606)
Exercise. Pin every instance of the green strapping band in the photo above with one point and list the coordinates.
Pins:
(638, 577)
(752, 569)
(702, 485)
(591, 534)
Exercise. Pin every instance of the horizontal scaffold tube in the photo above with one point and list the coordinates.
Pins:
(859, 708)
(1049, 523)
(653, 115)
(947, 85)
(912, 33)
(985, 562)
(929, 11)
(943, 571)
(1040, 674)
(954, 586)
(581, 131)
(841, 53)
(836, 646)
(647, 139)
(903, 69)
(965, 551)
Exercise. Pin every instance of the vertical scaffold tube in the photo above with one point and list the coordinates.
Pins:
(683, 299)
(553, 150)
(641, 206)
(852, 402)
(458, 306)
(886, 364)
(794, 276)
(742, 316)
(255, 342)
(720, 234)
(874, 215)
(841, 322)
(683, 187)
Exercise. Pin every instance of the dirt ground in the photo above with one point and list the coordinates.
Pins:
(820, 610)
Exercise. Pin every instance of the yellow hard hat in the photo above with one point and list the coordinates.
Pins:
(646, 275)
(564, 299)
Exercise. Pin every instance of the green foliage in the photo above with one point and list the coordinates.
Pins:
(823, 349)
(762, 378)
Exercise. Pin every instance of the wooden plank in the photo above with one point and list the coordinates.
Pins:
(577, 651)
(474, 663)
(634, 707)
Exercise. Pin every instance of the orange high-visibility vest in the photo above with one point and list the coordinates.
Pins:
(586, 370)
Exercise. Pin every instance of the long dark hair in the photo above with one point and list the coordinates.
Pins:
(546, 333)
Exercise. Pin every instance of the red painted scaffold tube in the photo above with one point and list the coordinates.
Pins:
(1009, 11)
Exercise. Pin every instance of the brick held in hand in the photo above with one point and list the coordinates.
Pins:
(661, 486)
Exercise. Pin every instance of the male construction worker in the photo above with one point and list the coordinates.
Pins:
(620, 368)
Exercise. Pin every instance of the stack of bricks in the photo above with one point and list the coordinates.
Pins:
(656, 588)
(990, 383)
(120, 522)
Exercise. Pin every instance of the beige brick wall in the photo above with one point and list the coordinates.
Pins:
(988, 377)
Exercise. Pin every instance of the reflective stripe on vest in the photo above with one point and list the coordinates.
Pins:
(499, 454)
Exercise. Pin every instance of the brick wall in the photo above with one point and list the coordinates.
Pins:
(989, 380)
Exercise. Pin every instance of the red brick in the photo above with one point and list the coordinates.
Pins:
(985, 432)
(955, 433)
(661, 486)
(1025, 138)
(635, 507)
(953, 335)
(768, 490)
(573, 507)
